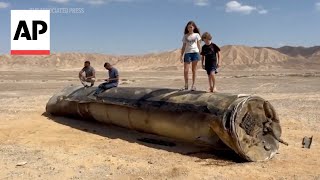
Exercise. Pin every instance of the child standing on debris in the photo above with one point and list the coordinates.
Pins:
(190, 52)
(210, 59)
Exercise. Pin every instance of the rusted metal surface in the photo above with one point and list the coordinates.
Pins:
(248, 125)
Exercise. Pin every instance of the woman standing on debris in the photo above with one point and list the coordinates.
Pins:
(190, 52)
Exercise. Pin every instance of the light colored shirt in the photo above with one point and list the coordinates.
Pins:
(191, 42)
(89, 71)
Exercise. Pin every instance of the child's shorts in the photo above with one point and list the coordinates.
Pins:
(190, 57)
(211, 69)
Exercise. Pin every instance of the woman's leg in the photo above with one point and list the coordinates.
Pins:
(194, 73)
(186, 74)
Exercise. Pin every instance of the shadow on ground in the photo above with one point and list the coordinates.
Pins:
(215, 157)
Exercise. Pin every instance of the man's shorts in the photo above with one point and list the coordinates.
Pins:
(191, 57)
(90, 80)
(85, 81)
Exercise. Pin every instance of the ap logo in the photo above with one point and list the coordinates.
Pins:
(30, 32)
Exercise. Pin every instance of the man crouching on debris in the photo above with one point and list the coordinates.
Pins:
(87, 74)
(111, 82)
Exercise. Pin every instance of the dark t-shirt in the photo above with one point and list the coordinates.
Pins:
(210, 53)
(88, 70)
(113, 73)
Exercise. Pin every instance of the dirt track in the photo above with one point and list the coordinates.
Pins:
(54, 148)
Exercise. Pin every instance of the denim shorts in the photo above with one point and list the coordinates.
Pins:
(191, 57)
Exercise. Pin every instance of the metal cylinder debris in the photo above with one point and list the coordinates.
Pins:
(247, 124)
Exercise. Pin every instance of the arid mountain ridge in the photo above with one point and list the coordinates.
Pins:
(299, 51)
(233, 57)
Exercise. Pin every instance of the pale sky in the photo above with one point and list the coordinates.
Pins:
(143, 26)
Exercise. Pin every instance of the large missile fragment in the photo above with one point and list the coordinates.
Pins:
(247, 124)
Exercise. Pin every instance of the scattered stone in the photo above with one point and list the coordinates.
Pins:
(306, 142)
(22, 163)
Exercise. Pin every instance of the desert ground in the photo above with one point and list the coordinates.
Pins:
(34, 145)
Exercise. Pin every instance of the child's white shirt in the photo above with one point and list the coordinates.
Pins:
(191, 42)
